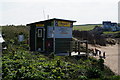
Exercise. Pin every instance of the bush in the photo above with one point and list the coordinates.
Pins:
(93, 73)
(101, 64)
(82, 78)
(52, 55)
(110, 78)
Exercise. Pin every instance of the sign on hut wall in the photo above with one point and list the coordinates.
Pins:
(50, 32)
(60, 32)
(63, 24)
(63, 32)
(39, 25)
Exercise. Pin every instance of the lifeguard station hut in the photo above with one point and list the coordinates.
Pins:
(52, 35)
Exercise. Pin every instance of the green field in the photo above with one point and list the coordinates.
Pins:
(110, 32)
(85, 27)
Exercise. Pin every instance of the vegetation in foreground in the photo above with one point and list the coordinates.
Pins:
(34, 66)
(21, 64)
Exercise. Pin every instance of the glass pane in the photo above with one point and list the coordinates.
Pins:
(39, 32)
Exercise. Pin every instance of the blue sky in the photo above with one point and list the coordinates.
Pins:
(83, 11)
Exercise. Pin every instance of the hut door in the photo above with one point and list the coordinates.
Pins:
(40, 39)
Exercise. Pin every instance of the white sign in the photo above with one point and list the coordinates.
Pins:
(63, 32)
(50, 32)
(20, 38)
(59, 32)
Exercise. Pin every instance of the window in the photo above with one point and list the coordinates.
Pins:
(39, 32)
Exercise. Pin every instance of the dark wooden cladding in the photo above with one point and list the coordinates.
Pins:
(32, 38)
(62, 44)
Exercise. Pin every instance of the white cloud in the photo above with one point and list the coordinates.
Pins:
(59, 1)
(83, 11)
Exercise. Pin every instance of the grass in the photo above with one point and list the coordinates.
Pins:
(84, 27)
(111, 32)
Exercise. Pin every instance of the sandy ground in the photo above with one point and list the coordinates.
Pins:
(112, 59)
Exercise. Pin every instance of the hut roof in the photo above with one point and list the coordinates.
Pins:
(50, 20)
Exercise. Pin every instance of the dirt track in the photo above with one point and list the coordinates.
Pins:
(112, 58)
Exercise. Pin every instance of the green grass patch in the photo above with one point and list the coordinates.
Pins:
(84, 27)
(111, 32)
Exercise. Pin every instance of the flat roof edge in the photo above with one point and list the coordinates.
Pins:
(51, 20)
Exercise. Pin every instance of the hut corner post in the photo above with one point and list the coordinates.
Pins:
(54, 37)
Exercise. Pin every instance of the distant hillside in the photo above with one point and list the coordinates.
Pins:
(85, 27)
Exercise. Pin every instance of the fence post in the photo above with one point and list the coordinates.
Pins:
(69, 53)
(78, 47)
(99, 53)
(75, 46)
(104, 55)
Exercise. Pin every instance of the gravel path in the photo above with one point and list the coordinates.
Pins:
(112, 59)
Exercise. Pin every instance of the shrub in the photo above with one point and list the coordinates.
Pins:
(82, 78)
(52, 55)
(101, 64)
(93, 73)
